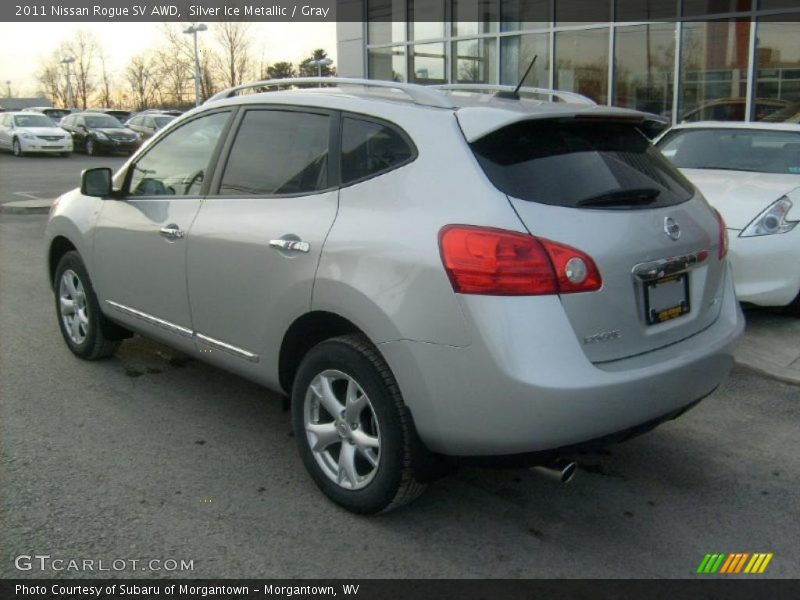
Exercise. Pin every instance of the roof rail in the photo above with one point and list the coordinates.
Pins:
(419, 94)
(572, 97)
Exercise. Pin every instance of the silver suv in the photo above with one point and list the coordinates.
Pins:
(429, 273)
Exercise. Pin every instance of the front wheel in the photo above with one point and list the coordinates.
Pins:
(83, 326)
(354, 433)
(793, 308)
(90, 148)
(16, 148)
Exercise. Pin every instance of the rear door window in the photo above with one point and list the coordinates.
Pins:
(370, 148)
(580, 164)
(278, 152)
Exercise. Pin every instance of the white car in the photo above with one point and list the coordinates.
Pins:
(749, 172)
(23, 132)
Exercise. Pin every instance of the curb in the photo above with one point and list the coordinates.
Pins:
(26, 207)
(772, 373)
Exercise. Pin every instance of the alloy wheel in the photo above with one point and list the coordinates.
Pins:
(342, 429)
(72, 307)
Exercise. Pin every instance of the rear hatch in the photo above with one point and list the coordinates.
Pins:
(598, 185)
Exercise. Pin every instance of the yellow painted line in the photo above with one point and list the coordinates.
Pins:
(753, 561)
(766, 562)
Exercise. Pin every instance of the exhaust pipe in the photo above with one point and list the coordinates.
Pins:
(561, 471)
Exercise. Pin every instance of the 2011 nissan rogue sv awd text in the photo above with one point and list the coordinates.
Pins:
(427, 272)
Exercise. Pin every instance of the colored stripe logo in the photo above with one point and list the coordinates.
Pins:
(735, 563)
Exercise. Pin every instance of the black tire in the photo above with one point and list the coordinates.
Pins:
(16, 148)
(395, 481)
(66, 154)
(89, 146)
(102, 337)
(793, 308)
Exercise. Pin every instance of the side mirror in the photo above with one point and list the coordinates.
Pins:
(96, 182)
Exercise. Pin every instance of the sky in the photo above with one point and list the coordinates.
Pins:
(23, 45)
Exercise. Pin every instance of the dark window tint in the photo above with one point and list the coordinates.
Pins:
(585, 164)
(278, 152)
(369, 148)
(761, 151)
(177, 164)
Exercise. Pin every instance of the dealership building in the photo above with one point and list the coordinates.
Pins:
(685, 59)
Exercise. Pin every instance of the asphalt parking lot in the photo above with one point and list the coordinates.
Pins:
(153, 455)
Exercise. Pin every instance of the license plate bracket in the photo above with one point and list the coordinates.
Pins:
(666, 298)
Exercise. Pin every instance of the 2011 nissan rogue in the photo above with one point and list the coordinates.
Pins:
(426, 272)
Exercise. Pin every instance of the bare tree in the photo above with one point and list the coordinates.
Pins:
(51, 77)
(175, 60)
(234, 62)
(105, 82)
(84, 49)
(142, 76)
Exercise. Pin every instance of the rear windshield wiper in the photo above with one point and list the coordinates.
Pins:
(627, 197)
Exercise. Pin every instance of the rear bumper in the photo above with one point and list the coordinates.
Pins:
(525, 385)
(766, 269)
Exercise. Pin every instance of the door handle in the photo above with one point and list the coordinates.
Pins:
(290, 245)
(172, 232)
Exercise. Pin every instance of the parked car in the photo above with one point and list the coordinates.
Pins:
(161, 111)
(24, 132)
(95, 133)
(119, 114)
(424, 278)
(750, 172)
(787, 114)
(55, 114)
(147, 125)
(732, 109)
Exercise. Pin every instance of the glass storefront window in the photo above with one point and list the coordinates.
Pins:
(387, 63)
(644, 64)
(426, 19)
(580, 11)
(473, 17)
(699, 8)
(474, 61)
(386, 21)
(714, 70)
(517, 52)
(777, 90)
(428, 63)
(519, 15)
(582, 63)
(645, 10)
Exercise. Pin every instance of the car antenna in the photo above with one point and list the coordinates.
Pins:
(515, 94)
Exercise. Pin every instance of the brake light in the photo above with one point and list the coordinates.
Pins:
(496, 262)
(722, 249)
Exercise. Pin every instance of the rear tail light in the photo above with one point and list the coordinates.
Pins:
(722, 249)
(496, 262)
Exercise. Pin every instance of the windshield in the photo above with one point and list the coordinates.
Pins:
(33, 121)
(101, 121)
(163, 121)
(761, 151)
(574, 163)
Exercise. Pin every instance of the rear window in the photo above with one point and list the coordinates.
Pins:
(580, 164)
(758, 151)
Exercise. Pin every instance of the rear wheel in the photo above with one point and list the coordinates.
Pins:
(794, 307)
(86, 331)
(353, 431)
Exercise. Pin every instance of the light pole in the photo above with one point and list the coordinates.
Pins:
(194, 30)
(319, 63)
(68, 60)
(8, 88)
